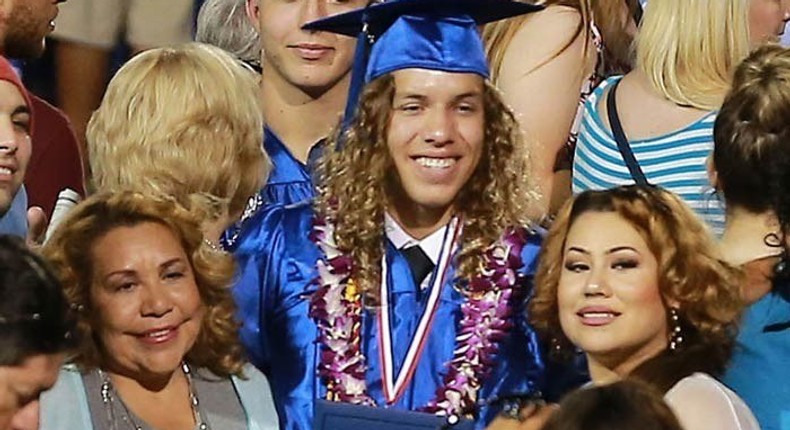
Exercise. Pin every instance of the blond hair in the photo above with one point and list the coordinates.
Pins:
(689, 48)
(181, 121)
(70, 252)
(355, 181)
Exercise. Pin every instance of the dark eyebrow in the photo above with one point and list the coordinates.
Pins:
(474, 94)
(610, 251)
(410, 96)
(577, 249)
(621, 248)
(22, 109)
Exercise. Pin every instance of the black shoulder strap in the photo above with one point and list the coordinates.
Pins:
(619, 136)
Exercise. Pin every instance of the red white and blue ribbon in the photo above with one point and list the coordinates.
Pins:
(395, 383)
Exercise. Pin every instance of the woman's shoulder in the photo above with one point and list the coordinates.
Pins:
(592, 104)
(556, 27)
(65, 405)
(702, 402)
(256, 397)
(560, 18)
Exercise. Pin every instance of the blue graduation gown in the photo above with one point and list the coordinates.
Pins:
(278, 264)
(290, 180)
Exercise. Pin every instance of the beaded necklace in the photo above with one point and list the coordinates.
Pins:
(109, 396)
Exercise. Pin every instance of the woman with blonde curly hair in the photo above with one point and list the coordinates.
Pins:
(419, 237)
(655, 124)
(632, 278)
(581, 43)
(158, 342)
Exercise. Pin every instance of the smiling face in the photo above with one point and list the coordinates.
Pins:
(15, 145)
(28, 23)
(608, 296)
(435, 136)
(146, 304)
(767, 20)
(312, 61)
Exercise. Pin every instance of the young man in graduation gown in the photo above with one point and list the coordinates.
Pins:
(403, 284)
(304, 85)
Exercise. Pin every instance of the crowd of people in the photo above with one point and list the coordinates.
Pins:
(494, 214)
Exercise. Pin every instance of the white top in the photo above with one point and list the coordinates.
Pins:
(700, 402)
(431, 245)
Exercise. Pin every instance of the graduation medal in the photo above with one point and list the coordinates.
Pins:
(337, 309)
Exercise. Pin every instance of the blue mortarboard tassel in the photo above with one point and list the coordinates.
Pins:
(364, 40)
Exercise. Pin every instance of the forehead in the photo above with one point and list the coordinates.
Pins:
(37, 372)
(145, 238)
(596, 230)
(10, 96)
(424, 81)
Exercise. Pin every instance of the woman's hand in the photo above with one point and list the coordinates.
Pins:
(532, 417)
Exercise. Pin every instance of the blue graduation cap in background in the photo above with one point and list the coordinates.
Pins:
(424, 34)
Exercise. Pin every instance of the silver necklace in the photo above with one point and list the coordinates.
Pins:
(109, 396)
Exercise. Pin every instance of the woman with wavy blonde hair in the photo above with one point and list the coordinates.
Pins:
(655, 124)
(418, 237)
(182, 121)
(632, 278)
(581, 43)
(158, 343)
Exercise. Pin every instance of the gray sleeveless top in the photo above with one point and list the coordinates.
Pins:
(220, 406)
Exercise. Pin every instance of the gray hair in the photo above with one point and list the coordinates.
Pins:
(224, 24)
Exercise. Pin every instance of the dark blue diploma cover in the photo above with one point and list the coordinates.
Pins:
(345, 416)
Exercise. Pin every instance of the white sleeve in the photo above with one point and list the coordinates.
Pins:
(701, 403)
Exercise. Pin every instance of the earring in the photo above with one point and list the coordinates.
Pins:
(675, 337)
(555, 348)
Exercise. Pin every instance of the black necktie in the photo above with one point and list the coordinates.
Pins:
(419, 263)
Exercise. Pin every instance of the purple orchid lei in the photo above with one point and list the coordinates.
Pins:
(337, 309)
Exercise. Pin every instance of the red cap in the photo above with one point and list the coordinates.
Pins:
(7, 73)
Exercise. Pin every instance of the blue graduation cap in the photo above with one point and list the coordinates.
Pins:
(423, 34)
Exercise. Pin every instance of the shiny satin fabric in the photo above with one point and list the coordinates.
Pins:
(290, 180)
(277, 265)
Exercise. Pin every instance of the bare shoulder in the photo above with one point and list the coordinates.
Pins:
(544, 36)
(554, 27)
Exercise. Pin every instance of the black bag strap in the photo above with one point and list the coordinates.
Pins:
(619, 136)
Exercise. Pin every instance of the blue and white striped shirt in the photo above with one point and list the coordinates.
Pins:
(674, 161)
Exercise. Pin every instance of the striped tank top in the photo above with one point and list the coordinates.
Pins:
(675, 161)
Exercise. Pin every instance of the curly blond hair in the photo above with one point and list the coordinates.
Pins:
(70, 250)
(355, 181)
(690, 272)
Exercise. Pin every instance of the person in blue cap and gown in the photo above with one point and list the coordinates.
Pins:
(304, 85)
(402, 285)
